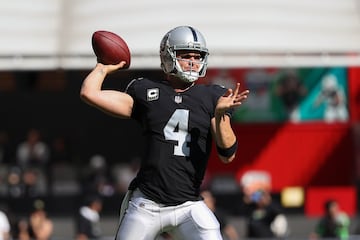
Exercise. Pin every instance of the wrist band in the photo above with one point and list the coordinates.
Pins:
(227, 152)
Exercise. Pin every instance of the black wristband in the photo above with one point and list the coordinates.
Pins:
(227, 152)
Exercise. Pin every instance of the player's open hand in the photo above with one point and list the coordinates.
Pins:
(231, 99)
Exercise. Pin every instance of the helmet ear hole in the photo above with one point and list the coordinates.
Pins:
(183, 38)
(168, 62)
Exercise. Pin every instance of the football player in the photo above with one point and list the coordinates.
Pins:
(180, 119)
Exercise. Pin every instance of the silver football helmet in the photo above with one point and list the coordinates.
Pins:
(183, 38)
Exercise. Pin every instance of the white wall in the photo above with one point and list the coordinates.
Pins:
(57, 33)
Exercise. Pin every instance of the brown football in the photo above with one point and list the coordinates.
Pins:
(110, 48)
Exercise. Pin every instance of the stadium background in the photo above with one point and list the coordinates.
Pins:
(45, 53)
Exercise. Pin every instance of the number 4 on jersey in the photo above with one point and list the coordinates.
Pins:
(177, 129)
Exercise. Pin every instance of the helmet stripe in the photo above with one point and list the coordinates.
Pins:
(193, 33)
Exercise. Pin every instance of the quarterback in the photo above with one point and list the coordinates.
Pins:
(180, 120)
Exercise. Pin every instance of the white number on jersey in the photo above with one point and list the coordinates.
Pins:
(176, 129)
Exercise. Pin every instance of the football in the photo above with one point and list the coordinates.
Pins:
(110, 48)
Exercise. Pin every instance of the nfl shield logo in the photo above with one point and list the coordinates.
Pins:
(178, 99)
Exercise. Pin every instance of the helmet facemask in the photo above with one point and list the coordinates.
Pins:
(192, 74)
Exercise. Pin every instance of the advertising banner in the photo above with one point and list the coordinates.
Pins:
(296, 95)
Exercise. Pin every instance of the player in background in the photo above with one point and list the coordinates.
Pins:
(335, 224)
(333, 96)
(180, 119)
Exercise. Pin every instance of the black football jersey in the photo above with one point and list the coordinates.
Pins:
(177, 128)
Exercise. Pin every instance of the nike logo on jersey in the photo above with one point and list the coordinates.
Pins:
(152, 94)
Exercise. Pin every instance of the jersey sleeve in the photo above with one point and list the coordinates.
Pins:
(130, 88)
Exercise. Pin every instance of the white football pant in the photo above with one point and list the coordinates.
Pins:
(143, 219)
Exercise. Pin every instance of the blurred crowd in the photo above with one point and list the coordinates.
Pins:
(264, 220)
(36, 169)
(38, 225)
